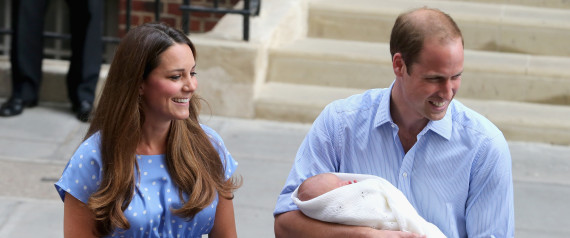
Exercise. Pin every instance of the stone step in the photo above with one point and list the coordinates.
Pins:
(362, 65)
(565, 4)
(488, 27)
(518, 121)
(53, 88)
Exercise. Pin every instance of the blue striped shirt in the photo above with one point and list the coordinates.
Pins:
(457, 175)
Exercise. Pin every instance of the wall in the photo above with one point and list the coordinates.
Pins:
(144, 11)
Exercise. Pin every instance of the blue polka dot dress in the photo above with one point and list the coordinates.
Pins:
(149, 212)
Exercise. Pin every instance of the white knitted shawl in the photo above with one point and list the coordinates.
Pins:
(372, 202)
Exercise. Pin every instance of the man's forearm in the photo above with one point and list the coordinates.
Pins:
(296, 224)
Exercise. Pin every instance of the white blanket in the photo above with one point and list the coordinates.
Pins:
(372, 202)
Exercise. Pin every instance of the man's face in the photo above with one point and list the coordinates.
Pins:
(433, 80)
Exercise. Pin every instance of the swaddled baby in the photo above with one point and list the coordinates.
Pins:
(360, 200)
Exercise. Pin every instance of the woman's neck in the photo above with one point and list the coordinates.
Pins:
(153, 138)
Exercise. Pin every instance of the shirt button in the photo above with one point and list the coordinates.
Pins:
(393, 125)
(405, 174)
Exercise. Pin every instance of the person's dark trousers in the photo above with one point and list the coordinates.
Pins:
(86, 49)
(27, 49)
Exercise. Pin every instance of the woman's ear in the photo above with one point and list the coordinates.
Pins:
(398, 65)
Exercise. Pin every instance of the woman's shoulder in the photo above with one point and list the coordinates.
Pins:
(82, 174)
(91, 144)
(212, 134)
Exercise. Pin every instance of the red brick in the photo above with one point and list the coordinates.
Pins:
(195, 26)
(201, 4)
(137, 6)
(209, 25)
(174, 8)
(135, 20)
(148, 19)
(122, 4)
(169, 21)
(122, 31)
(122, 19)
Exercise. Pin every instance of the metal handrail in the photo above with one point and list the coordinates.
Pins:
(250, 8)
(55, 35)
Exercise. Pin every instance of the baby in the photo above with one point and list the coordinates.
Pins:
(360, 200)
(320, 184)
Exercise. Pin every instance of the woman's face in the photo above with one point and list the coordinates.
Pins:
(167, 90)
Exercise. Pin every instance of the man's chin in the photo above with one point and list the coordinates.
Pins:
(436, 116)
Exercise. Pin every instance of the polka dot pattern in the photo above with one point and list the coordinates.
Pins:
(149, 212)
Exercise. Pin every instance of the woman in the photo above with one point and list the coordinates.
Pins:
(147, 167)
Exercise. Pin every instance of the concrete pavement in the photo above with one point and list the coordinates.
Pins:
(35, 146)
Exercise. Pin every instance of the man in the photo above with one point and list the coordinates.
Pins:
(452, 164)
(27, 52)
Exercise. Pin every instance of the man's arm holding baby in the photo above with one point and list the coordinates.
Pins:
(296, 224)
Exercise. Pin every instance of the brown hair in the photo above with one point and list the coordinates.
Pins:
(413, 27)
(192, 161)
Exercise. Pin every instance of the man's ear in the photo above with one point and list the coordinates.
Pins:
(398, 65)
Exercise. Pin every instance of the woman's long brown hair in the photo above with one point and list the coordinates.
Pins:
(192, 162)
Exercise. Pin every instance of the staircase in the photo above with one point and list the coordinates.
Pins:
(516, 70)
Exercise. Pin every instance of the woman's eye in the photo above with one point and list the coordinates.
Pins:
(175, 77)
(193, 74)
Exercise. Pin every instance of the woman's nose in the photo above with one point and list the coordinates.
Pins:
(190, 84)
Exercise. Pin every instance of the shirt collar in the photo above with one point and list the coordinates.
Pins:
(443, 126)
(383, 116)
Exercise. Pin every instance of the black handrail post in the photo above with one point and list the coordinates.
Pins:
(157, 10)
(128, 16)
(246, 20)
(186, 18)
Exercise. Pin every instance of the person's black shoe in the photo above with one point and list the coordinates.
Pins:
(14, 106)
(83, 110)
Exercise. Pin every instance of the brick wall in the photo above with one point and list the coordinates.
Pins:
(143, 11)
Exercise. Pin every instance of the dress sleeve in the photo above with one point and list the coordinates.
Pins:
(228, 161)
(82, 174)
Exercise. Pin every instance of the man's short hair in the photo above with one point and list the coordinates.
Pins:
(413, 27)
